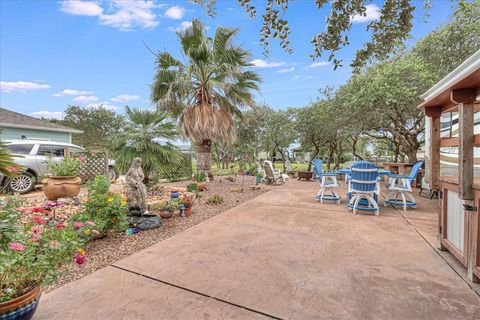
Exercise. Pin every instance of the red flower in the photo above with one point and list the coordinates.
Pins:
(77, 224)
(61, 225)
(79, 259)
(38, 210)
(37, 230)
(12, 169)
(16, 246)
(38, 219)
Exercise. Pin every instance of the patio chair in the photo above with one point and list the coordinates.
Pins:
(271, 174)
(364, 187)
(401, 186)
(328, 183)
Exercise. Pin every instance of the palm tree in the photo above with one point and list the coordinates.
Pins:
(208, 90)
(142, 137)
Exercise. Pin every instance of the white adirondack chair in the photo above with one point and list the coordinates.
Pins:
(271, 174)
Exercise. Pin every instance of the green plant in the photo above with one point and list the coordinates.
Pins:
(107, 209)
(201, 177)
(193, 187)
(7, 166)
(33, 247)
(67, 167)
(140, 138)
(172, 205)
(215, 199)
(178, 170)
(208, 90)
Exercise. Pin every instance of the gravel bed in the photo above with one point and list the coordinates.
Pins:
(106, 251)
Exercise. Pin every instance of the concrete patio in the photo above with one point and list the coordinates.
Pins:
(281, 255)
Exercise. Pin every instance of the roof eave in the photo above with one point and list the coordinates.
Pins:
(24, 126)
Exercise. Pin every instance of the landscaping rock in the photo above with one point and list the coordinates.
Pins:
(145, 222)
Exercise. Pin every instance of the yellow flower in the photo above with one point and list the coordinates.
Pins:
(82, 251)
(86, 231)
(123, 202)
(110, 199)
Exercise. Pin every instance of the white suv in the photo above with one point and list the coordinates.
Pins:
(32, 156)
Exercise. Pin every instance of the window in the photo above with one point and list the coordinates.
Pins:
(53, 151)
(74, 150)
(20, 148)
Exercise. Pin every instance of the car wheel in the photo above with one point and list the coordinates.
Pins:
(23, 183)
(112, 174)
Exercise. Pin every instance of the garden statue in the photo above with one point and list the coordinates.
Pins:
(136, 193)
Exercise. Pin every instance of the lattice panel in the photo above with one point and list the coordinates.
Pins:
(95, 163)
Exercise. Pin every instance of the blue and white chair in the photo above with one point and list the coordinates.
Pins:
(401, 186)
(328, 183)
(364, 187)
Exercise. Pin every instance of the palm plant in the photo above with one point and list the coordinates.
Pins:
(7, 165)
(142, 137)
(208, 89)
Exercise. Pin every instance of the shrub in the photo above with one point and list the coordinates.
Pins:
(193, 187)
(106, 209)
(215, 199)
(67, 167)
(201, 177)
(172, 205)
(179, 170)
(33, 247)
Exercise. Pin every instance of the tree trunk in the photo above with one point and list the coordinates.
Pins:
(204, 156)
(317, 150)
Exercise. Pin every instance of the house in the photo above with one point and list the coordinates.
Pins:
(17, 126)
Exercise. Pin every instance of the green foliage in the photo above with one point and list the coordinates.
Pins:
(106, 209)
(97, 124)
(7, 166)
(172, 205)
(192, 187)
(388, 33)
(215, 199)
(67, 167)
(201, 177)
(211, 87)
(32, 249)
(141, 138)
(181, 169)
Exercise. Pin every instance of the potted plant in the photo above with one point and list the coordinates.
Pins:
(63, 181)
(187, 205)
(169, 209)
(33, 247)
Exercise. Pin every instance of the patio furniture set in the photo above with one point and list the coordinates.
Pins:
(363, 179)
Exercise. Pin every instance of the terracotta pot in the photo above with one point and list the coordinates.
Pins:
(188, 211)
(21, 308)
(61, 187)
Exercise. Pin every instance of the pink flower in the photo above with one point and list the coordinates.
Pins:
(79, 259)
(23, 210)
(12, 169)
(95, 231)
(16, 246)
(61, 225)
(82, 158)
(77, 224)
(90, 223)
(54, 243)
(38, 210)
(38, 219)
(37, 230)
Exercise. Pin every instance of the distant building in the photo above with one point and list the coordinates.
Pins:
(17, 126)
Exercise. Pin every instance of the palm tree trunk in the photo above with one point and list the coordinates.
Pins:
(204, 156)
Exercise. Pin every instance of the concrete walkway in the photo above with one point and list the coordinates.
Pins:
(281, 255)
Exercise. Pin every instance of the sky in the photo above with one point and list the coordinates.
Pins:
(91, 53)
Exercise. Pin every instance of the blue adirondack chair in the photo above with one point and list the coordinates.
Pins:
(364, 187)
(401, 186)
(328, 183)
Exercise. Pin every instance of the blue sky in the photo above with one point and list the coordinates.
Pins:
(55, 53)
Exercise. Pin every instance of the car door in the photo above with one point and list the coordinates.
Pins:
(47, 153)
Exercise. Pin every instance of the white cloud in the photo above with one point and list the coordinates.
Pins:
(372, 12)
(120, 14)
(72, 92)
(125, 97)
(81, 8)
(307, 77)
(22, 86)
(48, 114)
(85, 99)
(259, 63)
(183, 26)
(319, 64)
(175, 12)
(296, 77)
(286, 70)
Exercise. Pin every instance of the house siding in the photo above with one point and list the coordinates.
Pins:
(17, 133)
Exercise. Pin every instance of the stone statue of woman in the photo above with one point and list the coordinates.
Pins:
(136, 191)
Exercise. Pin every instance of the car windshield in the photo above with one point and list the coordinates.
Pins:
(23, 149)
